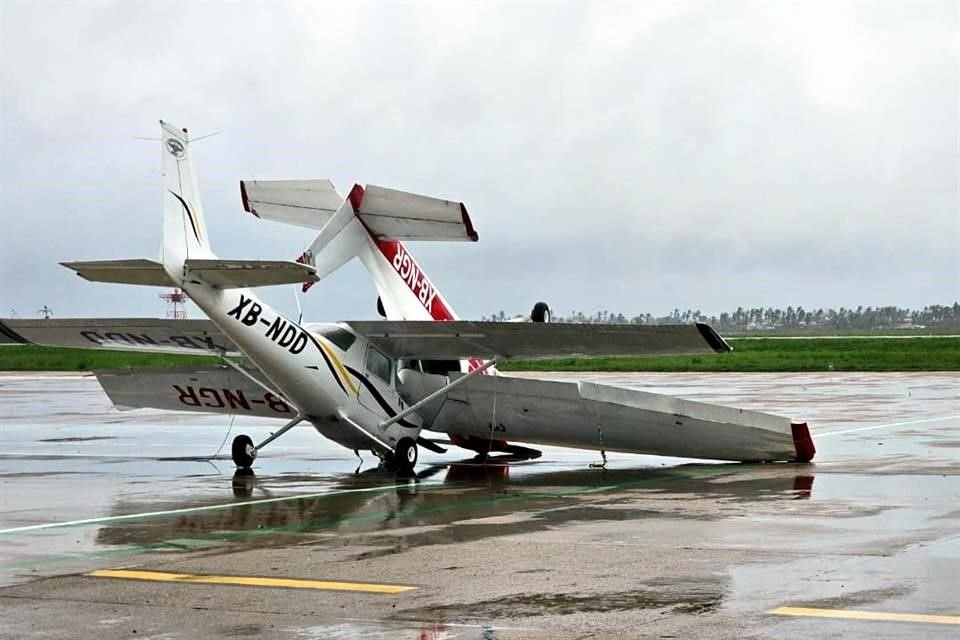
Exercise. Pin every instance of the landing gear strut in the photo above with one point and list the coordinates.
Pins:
(244, 453)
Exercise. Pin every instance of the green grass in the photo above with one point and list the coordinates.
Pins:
(33, 358)
(750, 354)
(803, 354)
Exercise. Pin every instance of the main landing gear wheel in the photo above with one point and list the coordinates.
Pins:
(243, 452)
(405, 455)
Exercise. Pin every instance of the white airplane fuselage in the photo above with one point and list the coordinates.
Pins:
(324, 382)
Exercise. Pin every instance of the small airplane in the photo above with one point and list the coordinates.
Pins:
(379, 385)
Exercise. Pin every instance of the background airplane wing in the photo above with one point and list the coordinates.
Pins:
(464, 339)
(161, 335)
(595, 416)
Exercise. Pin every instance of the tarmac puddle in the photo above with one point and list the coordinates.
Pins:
(691, 600)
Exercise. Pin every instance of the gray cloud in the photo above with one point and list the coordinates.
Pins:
(634, 157)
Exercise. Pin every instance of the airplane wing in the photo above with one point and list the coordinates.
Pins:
(458, 340)
(160, 335)
(596, 416)
(215, 389)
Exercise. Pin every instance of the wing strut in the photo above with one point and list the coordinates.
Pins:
(436, 394)
(259, 383)
(276, 434)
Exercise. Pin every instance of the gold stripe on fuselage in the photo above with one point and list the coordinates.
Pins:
(337, 364)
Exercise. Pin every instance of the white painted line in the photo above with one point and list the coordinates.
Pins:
(213, 507)
(884, 426)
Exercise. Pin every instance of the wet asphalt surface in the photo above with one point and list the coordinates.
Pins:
(551, 548)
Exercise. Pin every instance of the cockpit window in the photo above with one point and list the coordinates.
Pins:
(379, 365)
(338, 336)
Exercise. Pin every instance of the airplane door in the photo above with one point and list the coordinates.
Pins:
(379, 394)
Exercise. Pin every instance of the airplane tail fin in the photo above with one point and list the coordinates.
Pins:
(185, 253)
(184, 230)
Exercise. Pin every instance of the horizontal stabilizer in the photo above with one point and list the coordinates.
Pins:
(215, 389)
(158, 335)
(397, 215)
(458, 340)
(388, 214)
(235, 274)
(141, 271)
(304, 203)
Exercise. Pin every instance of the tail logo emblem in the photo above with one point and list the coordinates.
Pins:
(175, 147)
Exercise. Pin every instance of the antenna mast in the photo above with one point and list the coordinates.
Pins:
(176, 304)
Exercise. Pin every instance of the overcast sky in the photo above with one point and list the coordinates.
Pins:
(631, 157)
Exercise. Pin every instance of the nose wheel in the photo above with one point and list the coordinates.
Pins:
(243, 452)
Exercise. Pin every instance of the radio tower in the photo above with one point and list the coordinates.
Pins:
(176, 300)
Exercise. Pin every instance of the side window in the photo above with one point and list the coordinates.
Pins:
(379, 365)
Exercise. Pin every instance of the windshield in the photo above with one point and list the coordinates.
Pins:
(338, 336)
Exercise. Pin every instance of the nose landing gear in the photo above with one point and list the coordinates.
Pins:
(244, 453)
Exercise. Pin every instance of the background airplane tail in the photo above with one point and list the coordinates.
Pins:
(370, 224)
(184, 230)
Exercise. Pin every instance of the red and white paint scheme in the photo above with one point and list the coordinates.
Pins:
(368, 225)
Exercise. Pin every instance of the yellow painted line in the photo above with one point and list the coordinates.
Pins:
(881, 616)
(249, 581)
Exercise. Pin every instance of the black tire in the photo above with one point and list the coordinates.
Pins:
(405, 455)
(380, 310)
(540, 313)
(242, 452)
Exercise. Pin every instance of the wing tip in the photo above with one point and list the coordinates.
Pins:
(471, 231)
(356, 197)
(246, 200)
(716, 342)
(9, 336)
(803, 441)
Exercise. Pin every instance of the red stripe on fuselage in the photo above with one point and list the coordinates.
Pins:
(411, 273)
(421, 287)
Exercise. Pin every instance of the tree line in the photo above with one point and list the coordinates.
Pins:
(795, 318)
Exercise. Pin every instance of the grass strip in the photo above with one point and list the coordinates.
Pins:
(34, 358)
(749, 355)
(802, 354)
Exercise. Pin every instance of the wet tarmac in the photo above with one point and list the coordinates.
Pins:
(550, 548)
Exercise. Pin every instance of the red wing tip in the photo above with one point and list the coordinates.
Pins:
(471, 232)
(246, 201)
(803, 442)
(356, 197)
